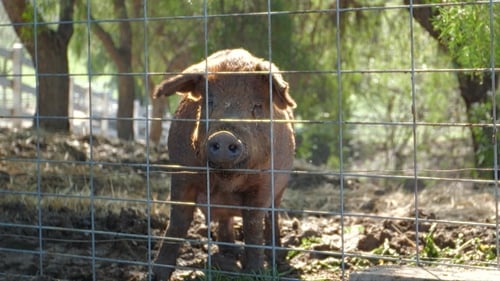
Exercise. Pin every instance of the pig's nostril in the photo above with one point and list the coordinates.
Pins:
(234, 148)
(215, 146)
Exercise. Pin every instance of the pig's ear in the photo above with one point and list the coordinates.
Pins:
(183, 83)
(281, 97)
(280, 91)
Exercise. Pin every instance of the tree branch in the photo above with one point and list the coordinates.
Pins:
(423, 15)
(15, 11)
(125, 28)
(65, 28)
(105, 38)
(121, 51)
(21, 16)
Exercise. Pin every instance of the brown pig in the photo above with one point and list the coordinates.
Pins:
(223, 125)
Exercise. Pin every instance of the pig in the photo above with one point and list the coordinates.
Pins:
(236, 151)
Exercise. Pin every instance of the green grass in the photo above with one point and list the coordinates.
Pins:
(474, 251)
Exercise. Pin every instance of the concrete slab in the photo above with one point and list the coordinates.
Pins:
(416, 273)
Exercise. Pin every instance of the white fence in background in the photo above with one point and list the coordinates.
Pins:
(18, 100)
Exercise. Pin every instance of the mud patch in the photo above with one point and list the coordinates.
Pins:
(82, 208)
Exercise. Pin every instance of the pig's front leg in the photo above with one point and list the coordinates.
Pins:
(180, 220)
(225, 233)
(271, 235)
(253, 229)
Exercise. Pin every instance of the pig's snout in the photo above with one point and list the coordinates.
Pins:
(224, 149)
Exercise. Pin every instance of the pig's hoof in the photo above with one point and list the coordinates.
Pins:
(161, 274)
(225, 262)
(254, 269)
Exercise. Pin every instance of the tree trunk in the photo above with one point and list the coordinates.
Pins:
(474, 92)
(121, 54)
(126, 94)
(53, 86)
(49, 56)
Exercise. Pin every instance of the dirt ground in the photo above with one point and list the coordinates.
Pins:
(76, 208)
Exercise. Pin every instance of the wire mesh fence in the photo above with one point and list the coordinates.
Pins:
(396, 151)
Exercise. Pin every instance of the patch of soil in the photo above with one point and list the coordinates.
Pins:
(65, 219)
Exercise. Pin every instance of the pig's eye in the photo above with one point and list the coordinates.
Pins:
(257, 110)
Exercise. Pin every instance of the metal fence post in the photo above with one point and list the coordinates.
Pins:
(136, 117)
(105, 114)
(17, 69)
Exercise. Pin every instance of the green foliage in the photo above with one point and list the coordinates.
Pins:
(386, 97)
(385, 250)
(84, 45)
(474, 249)
(305, 44)
(250, 30)
(41, 14)
(316, 89)
(483, 134)
(479, 114)
(305, 243)
(466, 31)
(431, 250)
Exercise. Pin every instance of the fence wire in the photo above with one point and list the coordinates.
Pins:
(92, 207)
